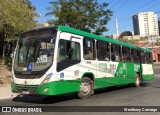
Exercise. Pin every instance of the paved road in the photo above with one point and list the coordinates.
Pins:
(146, 95)
(157, 68)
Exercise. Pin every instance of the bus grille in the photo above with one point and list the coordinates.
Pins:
(30, 90)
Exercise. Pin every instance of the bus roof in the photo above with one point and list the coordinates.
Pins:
(98, 37)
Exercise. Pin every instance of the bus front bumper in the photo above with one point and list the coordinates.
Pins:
(32, 89)
(51, 88)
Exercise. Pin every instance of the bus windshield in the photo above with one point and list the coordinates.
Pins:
(35, 50)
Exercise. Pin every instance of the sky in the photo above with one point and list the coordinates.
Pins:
(123, 10)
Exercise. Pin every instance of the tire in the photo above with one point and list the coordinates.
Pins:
(86, 88)
(137, 80)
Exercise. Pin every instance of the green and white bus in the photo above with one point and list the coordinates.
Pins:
(58, 60)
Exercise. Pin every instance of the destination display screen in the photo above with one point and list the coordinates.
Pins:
(39, 33)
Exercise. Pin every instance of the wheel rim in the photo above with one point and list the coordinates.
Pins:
(85, 88)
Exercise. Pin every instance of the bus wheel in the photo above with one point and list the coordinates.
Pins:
(86, 88)
(137, 81)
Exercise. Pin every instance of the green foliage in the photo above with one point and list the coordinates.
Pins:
(16, 16)
(125, 33)
(86, 15)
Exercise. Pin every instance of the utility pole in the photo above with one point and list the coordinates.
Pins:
(117, 28)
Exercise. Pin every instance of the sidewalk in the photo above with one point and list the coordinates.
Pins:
(156, 65)
(5, 92)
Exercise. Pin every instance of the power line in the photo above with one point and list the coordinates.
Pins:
(148, 3)
(153, 6)
(115, 4)
(110, 2)
(121, 6)
(150, 7)
(137, 10)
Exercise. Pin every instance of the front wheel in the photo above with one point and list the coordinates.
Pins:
(137, 81)
(86, 88)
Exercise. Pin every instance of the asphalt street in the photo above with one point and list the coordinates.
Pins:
(146, 95)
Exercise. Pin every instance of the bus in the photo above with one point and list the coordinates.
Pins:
(58, 60)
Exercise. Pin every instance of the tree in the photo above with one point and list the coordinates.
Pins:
(86, 15)
(125, 33)
(16, 16)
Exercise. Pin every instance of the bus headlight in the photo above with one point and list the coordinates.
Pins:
(46, 79)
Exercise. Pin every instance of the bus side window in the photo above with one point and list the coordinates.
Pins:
(103, 51)
(134, 56)
(112, 52)
(151, 58)
(142, 57)
(138, 56)
(68, 51)
(115, 52)
(126, 54)
(75, 51)
(148, 57)
(88, 49)
(68, 54)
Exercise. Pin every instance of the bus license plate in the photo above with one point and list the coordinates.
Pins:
(25, 92)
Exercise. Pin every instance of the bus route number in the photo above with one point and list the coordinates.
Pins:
(42, 59)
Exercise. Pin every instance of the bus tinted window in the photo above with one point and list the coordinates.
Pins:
(103, 50)
(134, 55)
(68, 51)
(88, 49)
(142, 57)
(126, 54)
(148, 57)
(115, 52)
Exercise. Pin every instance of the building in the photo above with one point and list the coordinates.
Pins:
(115, 36)
(145, 24)
(156, 54)
(141, 43)
(45, 24)
(159, 25)
(134, 37)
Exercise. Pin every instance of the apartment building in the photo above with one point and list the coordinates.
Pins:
(159, 25)
(145, 24)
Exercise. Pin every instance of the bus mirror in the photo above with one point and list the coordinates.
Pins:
(70, 43)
